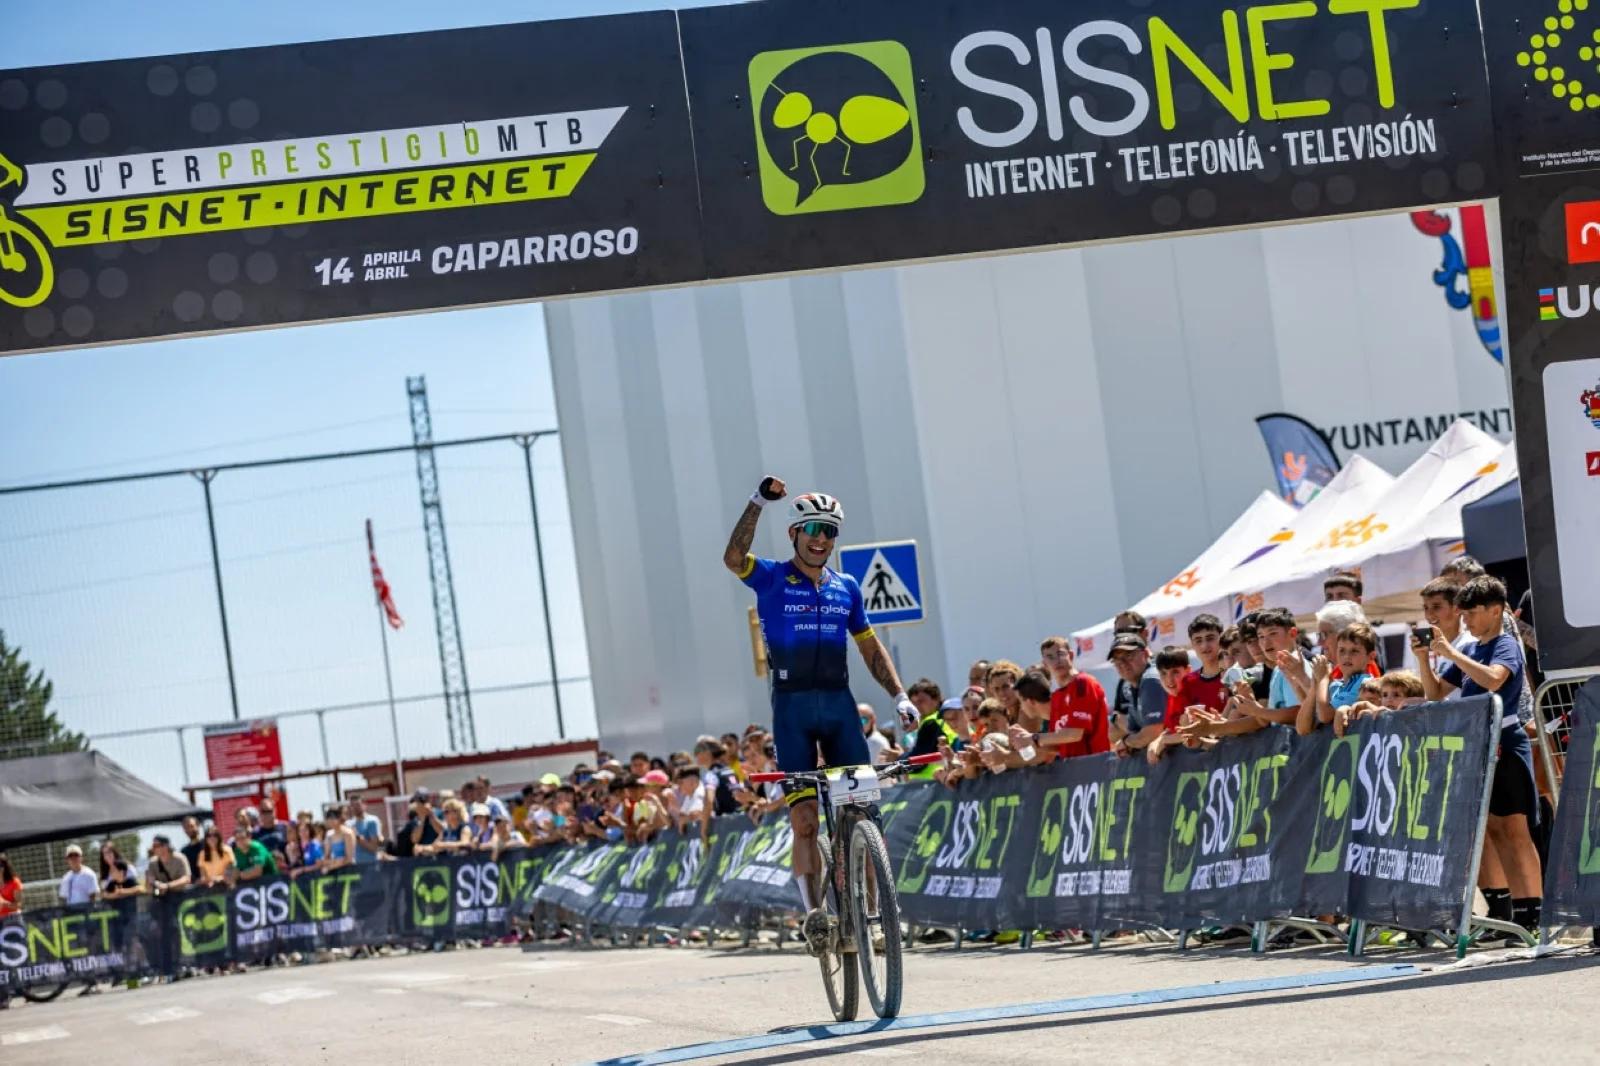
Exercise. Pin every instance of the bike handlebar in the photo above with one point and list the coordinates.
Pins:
(900, 766)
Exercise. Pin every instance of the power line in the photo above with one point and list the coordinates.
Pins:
(230, 444)
(333, 708)
(258, 464)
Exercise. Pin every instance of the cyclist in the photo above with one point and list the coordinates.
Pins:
(807, 611)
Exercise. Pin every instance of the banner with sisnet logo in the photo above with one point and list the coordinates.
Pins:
(261, 186)
(1377, 825)
(1572, 880)
(835, 133)
(266, 186)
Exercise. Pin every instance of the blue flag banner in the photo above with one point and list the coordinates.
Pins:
(1302, 459)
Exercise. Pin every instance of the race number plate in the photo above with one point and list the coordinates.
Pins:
(853, 784)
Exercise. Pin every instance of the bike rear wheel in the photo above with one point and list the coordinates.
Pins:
(43, 993)
(880, 967)
(844, 987)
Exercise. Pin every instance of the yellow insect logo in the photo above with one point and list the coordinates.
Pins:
(836, 127)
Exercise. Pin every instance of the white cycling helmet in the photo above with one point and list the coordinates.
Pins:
(815, 507)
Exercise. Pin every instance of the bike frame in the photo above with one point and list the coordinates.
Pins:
(836, 859)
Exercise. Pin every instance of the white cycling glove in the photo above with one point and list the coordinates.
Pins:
(909, 717)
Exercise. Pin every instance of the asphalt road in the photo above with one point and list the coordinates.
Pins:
(566, 1005)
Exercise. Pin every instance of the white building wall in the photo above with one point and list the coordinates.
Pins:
(1061, 432)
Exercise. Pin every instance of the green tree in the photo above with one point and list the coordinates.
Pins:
(27, 725)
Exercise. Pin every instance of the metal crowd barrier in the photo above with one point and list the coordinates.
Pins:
(1552, 709)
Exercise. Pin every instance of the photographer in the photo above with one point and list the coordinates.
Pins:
(166, 878)
(422, 828)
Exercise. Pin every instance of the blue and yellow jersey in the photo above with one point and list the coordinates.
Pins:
(806, 625)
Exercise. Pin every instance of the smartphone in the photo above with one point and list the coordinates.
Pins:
(586, 812)
(1422, 633)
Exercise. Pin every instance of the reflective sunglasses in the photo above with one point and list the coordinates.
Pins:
(820, 529)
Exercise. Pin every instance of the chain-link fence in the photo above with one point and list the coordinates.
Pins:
(158, 603)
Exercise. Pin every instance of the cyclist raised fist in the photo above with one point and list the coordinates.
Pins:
(809, 613)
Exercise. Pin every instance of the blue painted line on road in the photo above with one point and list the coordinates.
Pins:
(813, 1033)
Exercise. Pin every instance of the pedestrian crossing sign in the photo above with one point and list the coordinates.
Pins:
(891, 583)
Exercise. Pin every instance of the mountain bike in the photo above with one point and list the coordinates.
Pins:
(860, 882)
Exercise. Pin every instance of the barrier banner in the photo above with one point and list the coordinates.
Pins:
(952, 850)
(1386, 831)
(758, 876)
(1572, 881)
(265, 186)
(835, 133)
(576, 884)
(1378, 825)
(57, 944)
(727, 839)
(674, 898)
(627, 896)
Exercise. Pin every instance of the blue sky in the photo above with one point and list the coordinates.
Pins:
(110, 589)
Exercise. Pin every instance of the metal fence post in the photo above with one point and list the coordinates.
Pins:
(183, 755)
(526, 443)
(206, 477)
(1464, 931)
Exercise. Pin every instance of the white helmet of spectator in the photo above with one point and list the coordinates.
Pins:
(815, 507)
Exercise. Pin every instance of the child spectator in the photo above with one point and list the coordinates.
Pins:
(1400, 689)
(1280, 641)
(687, 801)
(1335, 687)
(1440, 610)
(1493, 663)
(1234, 658)
(1002, 685)
(1079, 716)
(1033, 720)
(1172, 666)
(1204, 687)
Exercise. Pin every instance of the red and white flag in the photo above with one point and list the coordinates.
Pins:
(390, 612)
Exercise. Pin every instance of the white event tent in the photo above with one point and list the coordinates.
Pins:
(1395, 532)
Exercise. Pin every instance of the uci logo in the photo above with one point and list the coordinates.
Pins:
(836, 127)
(430, 897)
(203, 925)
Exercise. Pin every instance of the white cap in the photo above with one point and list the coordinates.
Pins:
(480, 808)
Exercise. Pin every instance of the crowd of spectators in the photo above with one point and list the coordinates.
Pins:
(1227, 681)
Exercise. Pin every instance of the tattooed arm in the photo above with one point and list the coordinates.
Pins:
(744, 532)
(879, 665)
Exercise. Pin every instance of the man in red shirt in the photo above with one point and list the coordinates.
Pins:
(1203, 687)
(1079, 715)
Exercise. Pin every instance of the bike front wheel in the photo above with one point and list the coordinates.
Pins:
(872, 881)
